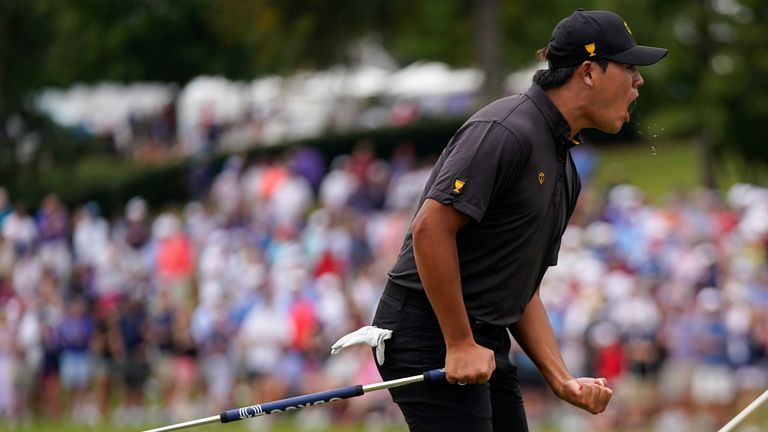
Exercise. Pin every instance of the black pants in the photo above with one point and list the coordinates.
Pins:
(417, 345)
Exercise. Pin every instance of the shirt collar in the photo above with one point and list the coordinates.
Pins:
(561, 130)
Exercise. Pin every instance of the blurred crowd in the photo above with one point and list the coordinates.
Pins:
(168, 314)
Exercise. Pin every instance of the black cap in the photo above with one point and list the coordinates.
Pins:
(594, 35)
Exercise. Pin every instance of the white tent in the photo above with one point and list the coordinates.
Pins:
(104, 107)
(433, 79)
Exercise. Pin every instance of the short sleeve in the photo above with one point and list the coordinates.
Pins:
(481, 161)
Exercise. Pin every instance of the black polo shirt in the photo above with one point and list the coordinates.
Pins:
(509, 169)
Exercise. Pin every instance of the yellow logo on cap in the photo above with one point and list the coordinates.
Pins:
(457, 185)
(590, 49)
(541, 177)
(626, 26)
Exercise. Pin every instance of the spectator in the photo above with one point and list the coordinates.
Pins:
(131, 356)
(76, 333)
(20, 229)
(5, 206)
(654, 296)
(264, 350)
(7, 367)
(184, 366)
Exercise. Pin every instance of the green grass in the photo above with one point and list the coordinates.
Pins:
(661, 166)
(657, 169)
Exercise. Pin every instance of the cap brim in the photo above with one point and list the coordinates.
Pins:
(639, 55)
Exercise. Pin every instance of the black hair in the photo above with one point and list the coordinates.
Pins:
(549, 79)
(553, 78)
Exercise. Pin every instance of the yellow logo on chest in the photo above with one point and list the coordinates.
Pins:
(541, 177)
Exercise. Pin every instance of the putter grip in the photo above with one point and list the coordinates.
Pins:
(289, 404)
(434, 375)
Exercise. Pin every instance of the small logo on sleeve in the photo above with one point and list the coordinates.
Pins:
(457, 185)
(541, 177)
(590, 49)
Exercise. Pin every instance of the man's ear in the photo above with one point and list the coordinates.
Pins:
(585, 71)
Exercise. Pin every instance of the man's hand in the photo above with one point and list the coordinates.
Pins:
(590, 394)
(469, 363)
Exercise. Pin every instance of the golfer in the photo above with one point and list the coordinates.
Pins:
(488, 226)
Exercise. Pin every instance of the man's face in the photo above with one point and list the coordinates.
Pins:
(614, 91)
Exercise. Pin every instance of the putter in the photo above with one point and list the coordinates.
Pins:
(312, 399)
(745, 412)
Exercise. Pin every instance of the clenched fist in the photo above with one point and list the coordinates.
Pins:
(590, 394)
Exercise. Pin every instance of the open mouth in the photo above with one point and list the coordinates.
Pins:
(630, 108)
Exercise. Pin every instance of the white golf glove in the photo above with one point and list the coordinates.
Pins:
(369, 335)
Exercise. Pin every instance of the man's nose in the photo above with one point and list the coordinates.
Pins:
(637, 80)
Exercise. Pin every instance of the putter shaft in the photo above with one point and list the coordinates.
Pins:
(298, 402)
(191, 423)
(745, 412)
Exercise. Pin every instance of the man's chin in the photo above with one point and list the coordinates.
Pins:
(613, 129)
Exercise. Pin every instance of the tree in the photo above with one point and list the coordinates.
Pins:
(24, 37)
(705, 87)
(708, 85)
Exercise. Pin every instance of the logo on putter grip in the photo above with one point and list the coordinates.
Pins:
(304, 405)
(251, 411)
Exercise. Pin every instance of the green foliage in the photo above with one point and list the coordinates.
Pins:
(430, 29)
(143, 40)
(108, 181)
(709, 85)
(429, 137)
(163, 40)
(23, 37)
